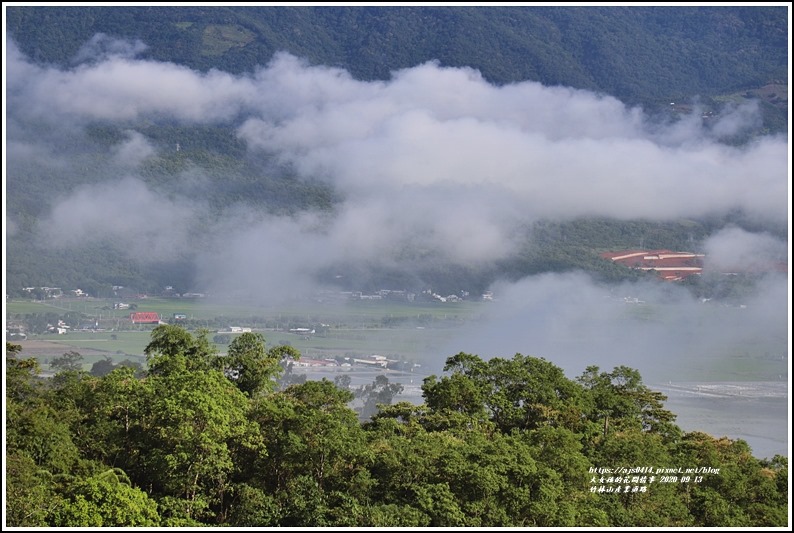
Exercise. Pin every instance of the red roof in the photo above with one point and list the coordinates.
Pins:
(678, 265)
(666, 262)
(146, 317)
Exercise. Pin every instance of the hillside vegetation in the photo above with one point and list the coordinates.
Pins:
(203, 440)
(642, 55)
(638, 54)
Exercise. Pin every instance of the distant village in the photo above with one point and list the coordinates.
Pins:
(17, 329)
(42, 293)
(669, 266)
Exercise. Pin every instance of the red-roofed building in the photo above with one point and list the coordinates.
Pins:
(675, 266)
(671, 266)
(145, 317)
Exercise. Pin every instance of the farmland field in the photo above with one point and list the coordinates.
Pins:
(415, 332)
(353, 312)
(398, 330)
(421, 332)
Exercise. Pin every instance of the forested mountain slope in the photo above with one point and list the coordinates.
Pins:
(703, 58)
(638, 54)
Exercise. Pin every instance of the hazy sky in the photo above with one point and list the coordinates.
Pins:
(434, 159)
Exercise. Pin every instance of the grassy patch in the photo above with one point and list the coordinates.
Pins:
(24, 307)
(409, 331)
(353, 313)
(123, 343)
(218, 39)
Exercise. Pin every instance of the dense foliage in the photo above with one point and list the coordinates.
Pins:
(638, 54)
(207, 440)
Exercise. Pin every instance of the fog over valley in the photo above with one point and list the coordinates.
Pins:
(402, 266)
(434, 166)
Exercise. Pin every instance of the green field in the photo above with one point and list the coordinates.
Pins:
(398, 343)
(353, 312)
(116, 345)
(398, 330)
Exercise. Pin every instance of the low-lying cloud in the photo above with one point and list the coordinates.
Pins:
(133, 151)
(660, 329)
(432, 166)
(434, 162)
(562, 152)
(103, 47)
(125, 212)
(733, 249)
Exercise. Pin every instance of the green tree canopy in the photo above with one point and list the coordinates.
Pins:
(104, 500)
(71, 361)
(250, 365)
(173, 348)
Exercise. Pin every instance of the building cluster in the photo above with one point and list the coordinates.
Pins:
(53, 292)
(445, 299)
(668, 265)
(372, 361)
(382, 294)
(145, 317)
(121, 292)
(394, 295)
(676, 266)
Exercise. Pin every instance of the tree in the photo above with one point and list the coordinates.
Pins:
(250, 365)
(134, 365)
(379, 392)
(467, 476)
(173, 348)
(102, 367)
(104, 500)
(40, 432)
(518, 393)
(457, 393)
(662, 504)
(287, 355)
(620, 400)
(222, 338)
(71, 361)
(343, 381)
(30, 497)
(21, 383)
(113, 418)
(252, 507)
(12, 350)
(315, 446)
(196, 422)
(739, 490)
